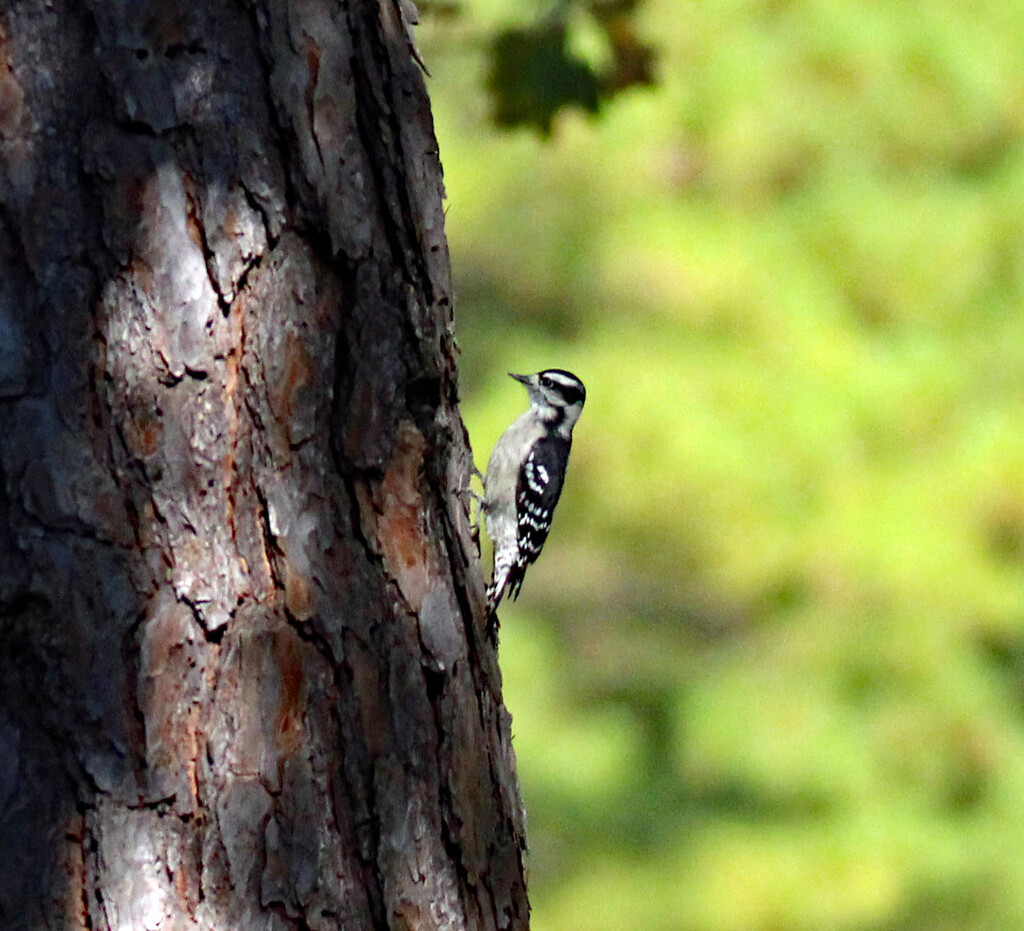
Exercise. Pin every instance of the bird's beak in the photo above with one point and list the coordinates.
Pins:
(525, 379)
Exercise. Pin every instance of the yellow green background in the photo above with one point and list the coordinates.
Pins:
(769, 673)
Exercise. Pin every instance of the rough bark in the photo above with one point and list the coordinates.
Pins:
(244, 682)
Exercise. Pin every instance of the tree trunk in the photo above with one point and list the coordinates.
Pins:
(243, 681)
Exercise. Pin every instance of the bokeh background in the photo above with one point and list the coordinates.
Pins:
(770, 671)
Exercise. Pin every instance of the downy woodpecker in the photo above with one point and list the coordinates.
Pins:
(525, 476)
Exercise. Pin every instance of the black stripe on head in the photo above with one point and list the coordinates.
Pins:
(565, 383)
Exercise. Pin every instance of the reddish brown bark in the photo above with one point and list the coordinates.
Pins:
(244, 682)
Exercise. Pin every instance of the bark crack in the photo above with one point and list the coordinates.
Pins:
(381, 137)
(277, 129)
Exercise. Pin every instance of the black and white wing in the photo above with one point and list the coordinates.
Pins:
(540, 485)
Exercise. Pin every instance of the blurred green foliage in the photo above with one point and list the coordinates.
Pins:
(770, 672)
(534, 73)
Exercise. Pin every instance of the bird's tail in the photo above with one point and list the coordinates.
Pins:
(504, 580)
(496, 590)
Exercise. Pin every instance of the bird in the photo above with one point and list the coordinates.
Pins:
(524, 479)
